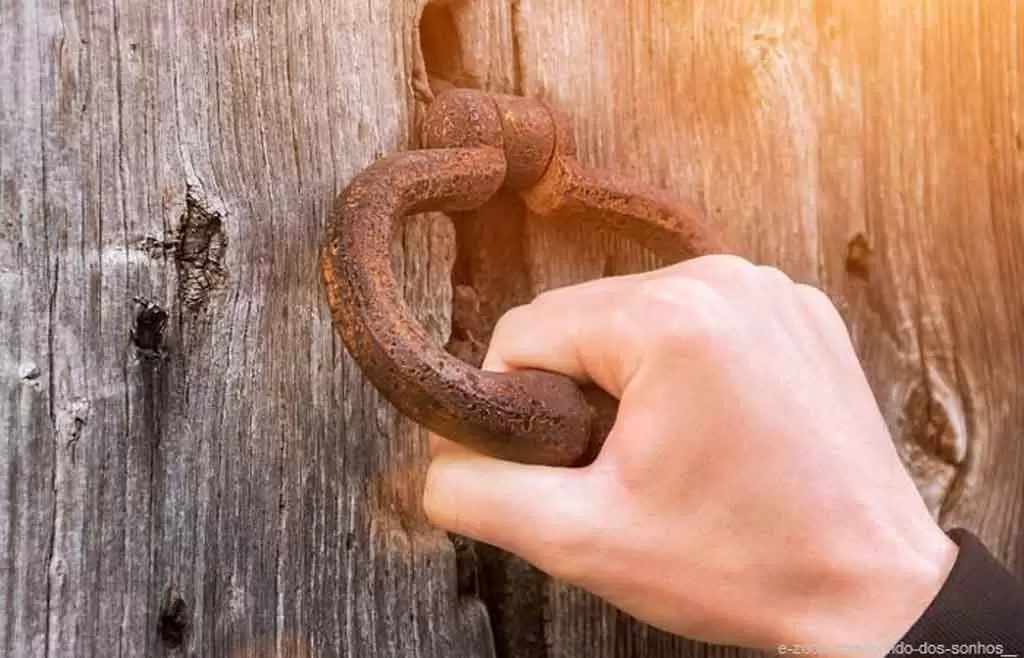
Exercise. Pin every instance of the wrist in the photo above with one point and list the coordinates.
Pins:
(870, 596)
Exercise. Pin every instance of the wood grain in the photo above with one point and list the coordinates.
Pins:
(871, 148)
(228, 484)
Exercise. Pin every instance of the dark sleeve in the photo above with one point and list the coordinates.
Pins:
(981, 604)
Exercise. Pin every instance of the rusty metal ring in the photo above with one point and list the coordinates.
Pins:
(486, 142)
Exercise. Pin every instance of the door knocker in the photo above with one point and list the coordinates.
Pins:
(476, 143)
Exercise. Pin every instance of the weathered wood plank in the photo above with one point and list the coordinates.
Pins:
(871, 148)
(227, 484)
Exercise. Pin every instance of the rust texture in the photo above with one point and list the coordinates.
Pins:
(481, 147)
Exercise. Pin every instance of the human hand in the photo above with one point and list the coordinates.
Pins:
(749, 492)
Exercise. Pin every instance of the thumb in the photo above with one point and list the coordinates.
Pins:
(535, 512)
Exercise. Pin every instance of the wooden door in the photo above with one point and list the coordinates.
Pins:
(191, 465)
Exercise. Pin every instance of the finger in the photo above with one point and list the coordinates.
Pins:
(826, 320)
(604, 338)
(599, 331)
(573, 338)
(555, 301)
(532, 511)
(820, 307)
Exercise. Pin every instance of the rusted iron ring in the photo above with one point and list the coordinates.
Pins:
(477, 143)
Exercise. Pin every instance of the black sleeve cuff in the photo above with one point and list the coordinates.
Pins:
(978, 612)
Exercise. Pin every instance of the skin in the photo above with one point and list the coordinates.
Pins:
(749, 493)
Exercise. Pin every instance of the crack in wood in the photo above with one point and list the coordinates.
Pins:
(490, 275)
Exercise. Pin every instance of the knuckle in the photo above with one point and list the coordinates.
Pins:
(817, 300)
(722, 262)
(732, 263)
(681, 308)
(724, 267)
(549, 296)
(724, 272)
(775, 276)
(511, 322)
